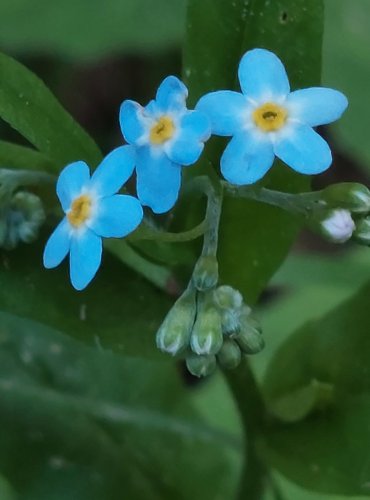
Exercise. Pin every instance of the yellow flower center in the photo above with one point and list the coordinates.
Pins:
(80, 210)
(162, 130)
(270, 117)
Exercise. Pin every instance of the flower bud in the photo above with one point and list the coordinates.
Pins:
(206, 337)
(201, 366)
(205, 274)
(226, 297)
(174, 333)
(350, 195)
(229, 355)
(362, 232)
(22, 220)
(250, 338)
(336, 225)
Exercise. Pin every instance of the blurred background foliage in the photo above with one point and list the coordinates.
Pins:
(92, 55)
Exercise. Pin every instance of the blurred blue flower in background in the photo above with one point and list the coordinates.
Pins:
(166, 136)
(266, 119)
(92, 210)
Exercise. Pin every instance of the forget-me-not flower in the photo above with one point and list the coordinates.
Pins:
(266, 119)
(92, 210)
(166, 136)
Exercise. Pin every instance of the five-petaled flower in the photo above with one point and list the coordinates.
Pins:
(92, 210)
(166, 136)
(266, 119)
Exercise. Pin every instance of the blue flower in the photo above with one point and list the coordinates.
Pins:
(266, 119)
(166, 136)
(92, 210)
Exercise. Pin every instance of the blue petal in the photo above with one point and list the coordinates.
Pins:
(131, 121)
(246, 158)
(85, 257)
(158, 180)
(57, 246)
(114, 171)
(225, 111)
(262, 75)
(187, 146)
(117, 216)
(317, 105)
(304, 150)
(72, 179)
(171, 94)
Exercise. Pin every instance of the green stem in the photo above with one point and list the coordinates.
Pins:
(214, 193)
(300, 204)
(252, 410)
(16, 178)
(145, 232)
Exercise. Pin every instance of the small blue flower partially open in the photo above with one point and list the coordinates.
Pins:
(92, 210)
(266, 119)
(166, 136)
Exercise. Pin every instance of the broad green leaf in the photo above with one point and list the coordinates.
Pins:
(16, 156)
(254, 238)
(118, 310)
(306, 287)
(76, 29)
(346, 67)
(327, 450)
(123, 423)
(31, 109)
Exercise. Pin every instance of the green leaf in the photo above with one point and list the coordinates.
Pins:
(31, 109)
(327, 449)
(16, 156)
(346, 67)
(76, 31)
(254, 238)
(77, 417)
(119, 310)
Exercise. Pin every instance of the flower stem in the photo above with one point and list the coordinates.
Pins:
(300, 204)
(252, 409)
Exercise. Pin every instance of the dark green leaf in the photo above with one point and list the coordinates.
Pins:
(254, 238)
(327, 450)
(75, 30)
(30, 108)
(75, 416)
(15, 156)
(119, 309)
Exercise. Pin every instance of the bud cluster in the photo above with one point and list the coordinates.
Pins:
(343, 213)
(20, 219)
(210, 328)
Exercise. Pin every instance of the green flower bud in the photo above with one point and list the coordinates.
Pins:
(226, 297)
(22, 219)
(206, 337)
(362, 232)
(335, 225)
(201, 366)
(205, 274)
(249, 338)
(174, 333)
(350, 195)
(229, 355)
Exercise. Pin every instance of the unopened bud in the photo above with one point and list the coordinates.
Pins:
(250, 338)
(362, 232)
(226, 297)
(201, 366)
(205, 275)
(174, 333)
(22, 218)
(206, 337)
(230, 355)
(350, 195)
(336, 225)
